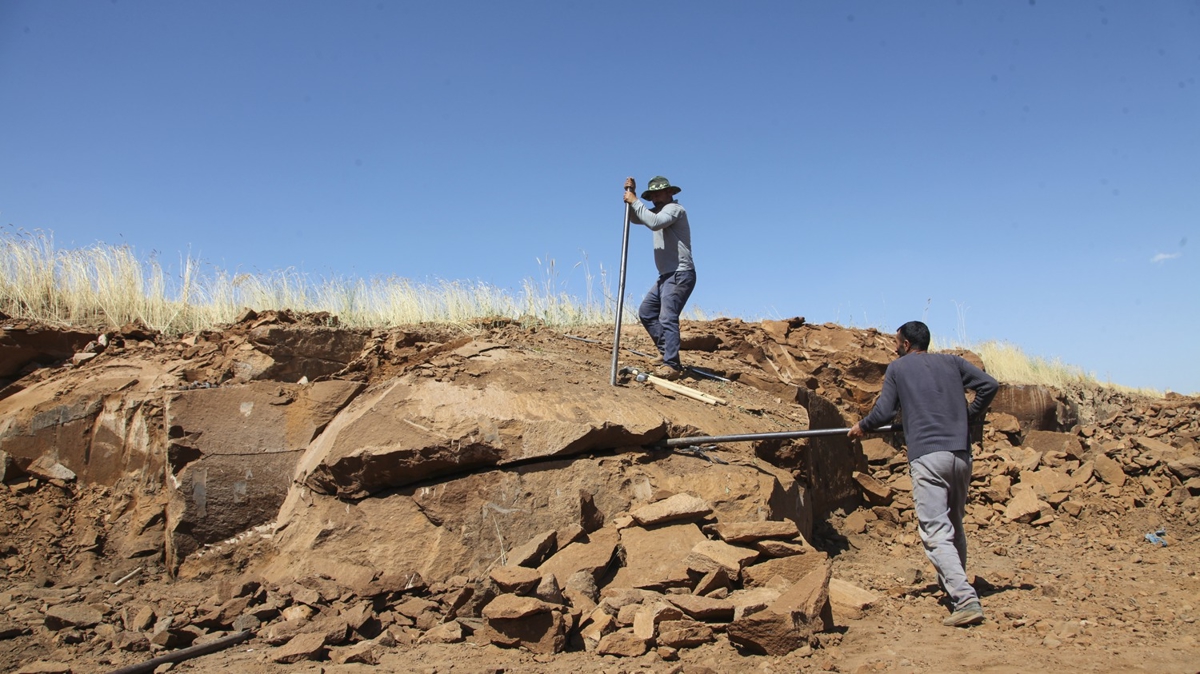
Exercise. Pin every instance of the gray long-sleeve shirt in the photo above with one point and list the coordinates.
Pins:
(672, 235)
(929, 389)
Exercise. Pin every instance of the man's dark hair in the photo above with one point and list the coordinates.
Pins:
(917, 334)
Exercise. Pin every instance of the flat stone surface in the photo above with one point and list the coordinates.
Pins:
(707, 556)
(702, 608)
(622, 643)
(1109, 470)
(808, 600)
(516, 579)
(849, 594)
(595, 556)
(677, 507)
(511, 607)
(683, 634)
(791, 569)
(751, 601)
(72, 615)
(534, 551)
(1024, 506)
(772, 548)
(749, 532)
(874, 491)
(654, 557)
(307, 646)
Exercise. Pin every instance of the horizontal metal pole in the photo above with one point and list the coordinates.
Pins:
(781, 435)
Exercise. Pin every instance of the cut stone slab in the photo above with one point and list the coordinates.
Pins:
(1109, 470)
(1052, 441)
(307, 646)
(47, 468)
(708, 556)
(749, 602)
(654, 557)
(534, 552)
(683, 634)
(877, 451)
(769, 633)
(1046, 481)
(702, 608)
(1024, 506)
(594, 557)
(772, 548)
(792, 569)
(808, 600)
(544, 632)
(648, 617)
(233, 452)
(519, 580)
(851, 595)
(622, 643)
(72, 615)
(750, 532)
(446, 633)
(511, 607)
(673, 509)
(874, 491)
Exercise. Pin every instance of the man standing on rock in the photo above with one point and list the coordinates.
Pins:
(662, 306)
(929, 390)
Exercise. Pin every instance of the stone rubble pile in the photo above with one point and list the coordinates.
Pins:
(1143, 456)
(667, 576)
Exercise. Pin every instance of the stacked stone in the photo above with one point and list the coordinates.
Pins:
(1144, 455)
(666, 576)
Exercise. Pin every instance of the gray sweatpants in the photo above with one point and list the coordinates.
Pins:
(940, 483)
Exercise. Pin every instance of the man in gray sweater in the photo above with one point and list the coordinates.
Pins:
(664, 302)
(929, 390)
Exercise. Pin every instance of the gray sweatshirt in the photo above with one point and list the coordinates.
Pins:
(672, 235)
(929, 389)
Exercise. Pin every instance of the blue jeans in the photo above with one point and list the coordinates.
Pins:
(940, 482)
(660, 311)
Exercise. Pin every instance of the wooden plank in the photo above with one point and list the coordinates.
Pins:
(684, 390)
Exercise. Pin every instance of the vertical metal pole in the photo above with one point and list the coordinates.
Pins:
(620, 296)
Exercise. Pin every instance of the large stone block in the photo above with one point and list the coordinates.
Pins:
(233, 451)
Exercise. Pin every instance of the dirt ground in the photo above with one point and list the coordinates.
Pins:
(1084, 593)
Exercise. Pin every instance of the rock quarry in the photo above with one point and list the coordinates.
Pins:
(300, 496)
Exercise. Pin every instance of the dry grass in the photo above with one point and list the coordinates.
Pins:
(111, 285)
(1008, 363)
(106, 285)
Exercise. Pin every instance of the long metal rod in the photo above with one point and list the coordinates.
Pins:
(781, 435)
(620, 297)
(186, 653)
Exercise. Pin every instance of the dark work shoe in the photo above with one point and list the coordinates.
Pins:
(970, 613)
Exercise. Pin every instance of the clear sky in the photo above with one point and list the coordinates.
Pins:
(1023, 171)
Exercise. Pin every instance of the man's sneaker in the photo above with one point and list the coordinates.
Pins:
(970, 613)
(667, 372)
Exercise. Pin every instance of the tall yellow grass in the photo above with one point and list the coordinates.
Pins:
(105, 285)
(111, 285)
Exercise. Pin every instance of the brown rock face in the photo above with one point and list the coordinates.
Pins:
(1035, 407)
(22, 344)
(99, 436)
(415, 428)
(233, 451)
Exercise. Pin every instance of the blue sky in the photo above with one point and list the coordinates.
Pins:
(1022, 171)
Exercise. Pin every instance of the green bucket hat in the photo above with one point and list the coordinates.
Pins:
(660, 183)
